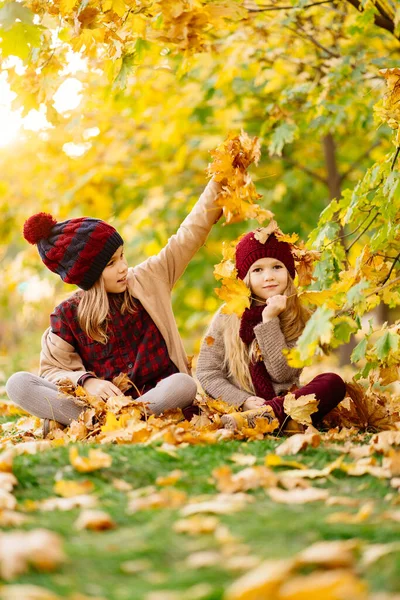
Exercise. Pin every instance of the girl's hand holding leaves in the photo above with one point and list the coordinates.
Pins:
(275, 306)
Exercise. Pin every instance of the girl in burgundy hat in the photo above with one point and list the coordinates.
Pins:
(245, 365)
(121, 321)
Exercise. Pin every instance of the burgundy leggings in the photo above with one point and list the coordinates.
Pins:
(329, 389)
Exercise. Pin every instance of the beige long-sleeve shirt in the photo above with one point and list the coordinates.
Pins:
(151, 282)
(214, 377)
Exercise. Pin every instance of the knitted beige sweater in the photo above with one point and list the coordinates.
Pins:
(213, 376)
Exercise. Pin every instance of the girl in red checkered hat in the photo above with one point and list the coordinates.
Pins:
(121, 320)
(245, 365)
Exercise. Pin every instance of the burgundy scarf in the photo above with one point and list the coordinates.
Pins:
(259, 374)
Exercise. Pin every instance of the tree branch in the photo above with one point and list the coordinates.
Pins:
(309, 37)
(270, 8)
(362, 233)
(380, 20)
(305, 170)
(391, 268)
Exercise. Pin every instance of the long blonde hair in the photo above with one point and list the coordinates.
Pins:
(238, 355)
(94, 307)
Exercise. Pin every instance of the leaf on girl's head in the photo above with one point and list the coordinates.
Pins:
(262, 233)
(300, 409)
(236, 295)
(290, 238)
(94, 461)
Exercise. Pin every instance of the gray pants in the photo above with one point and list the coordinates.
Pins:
(41, 398)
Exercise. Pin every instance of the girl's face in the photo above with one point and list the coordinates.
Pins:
(114, 274)
(268, 277)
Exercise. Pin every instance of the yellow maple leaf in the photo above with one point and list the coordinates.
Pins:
(300, 409)
(69, 489)
(94, 461)
(236, 296)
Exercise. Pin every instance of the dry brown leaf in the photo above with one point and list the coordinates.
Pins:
(164, 498)
(26, 592)
(71, 488)
(298, 442)
(374, 552)
(314, 473)
(330, 585)
(121, 485)
(39, 547)
(247, 479)
(196, 525)
(300, 409)
(298, 496)
(122, 382)
(362, 515)
(94, 461)
(82, 501)
(261, 583)
(222, 504)
(391, 515)
(245, 460)
(342, 501)
(209, 340)
(10, 518)
(7, 481)
(383, 441)
(95, 520)
(395, 483)
(204, 558)
(335, 554)
(171, 478)
(7, 501)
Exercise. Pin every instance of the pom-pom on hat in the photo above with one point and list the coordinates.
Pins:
(77, 249)
(249, 249)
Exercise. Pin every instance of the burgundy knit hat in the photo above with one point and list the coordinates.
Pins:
(249, 249)
(77, 250)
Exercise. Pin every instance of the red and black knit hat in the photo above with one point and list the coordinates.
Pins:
(77, 250)
(249, 249)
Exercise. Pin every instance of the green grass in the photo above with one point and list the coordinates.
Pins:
(269, 529)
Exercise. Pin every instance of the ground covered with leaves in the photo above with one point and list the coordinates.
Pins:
(232, 519)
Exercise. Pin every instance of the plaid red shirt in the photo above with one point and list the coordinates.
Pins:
(135, 345)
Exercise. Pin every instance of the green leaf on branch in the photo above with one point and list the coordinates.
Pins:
(359, 351)
(318, 330)
(283, 134)
(387, 343)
